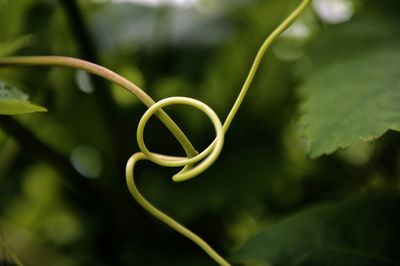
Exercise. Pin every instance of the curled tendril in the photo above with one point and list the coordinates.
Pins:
(194, 163)
(211, 154)
(207, 157)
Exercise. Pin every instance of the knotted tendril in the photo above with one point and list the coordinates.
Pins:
(194, 163)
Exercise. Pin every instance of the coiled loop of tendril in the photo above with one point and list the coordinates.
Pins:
(208, 156)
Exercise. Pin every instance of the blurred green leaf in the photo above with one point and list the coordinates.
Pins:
(353, 90)
(7, 255)
(362, 231)
(13, 102)
(12, 46)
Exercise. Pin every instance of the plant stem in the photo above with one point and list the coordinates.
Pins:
(41, 149)
(109, 75)
(81, 32)
(164, 217)
(102, 93)
(260, 54)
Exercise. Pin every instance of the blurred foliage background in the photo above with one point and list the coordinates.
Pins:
(331, 81)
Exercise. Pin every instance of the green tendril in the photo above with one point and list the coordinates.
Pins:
(194, 163)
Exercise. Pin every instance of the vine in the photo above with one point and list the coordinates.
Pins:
(194, 163)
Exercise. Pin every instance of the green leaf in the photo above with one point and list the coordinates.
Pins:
(10, 47)
(353, 91)
(357, 232)
(7, 255)
(13, 102)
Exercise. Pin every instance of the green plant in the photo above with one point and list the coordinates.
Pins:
(203, 160)
(328, 89)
